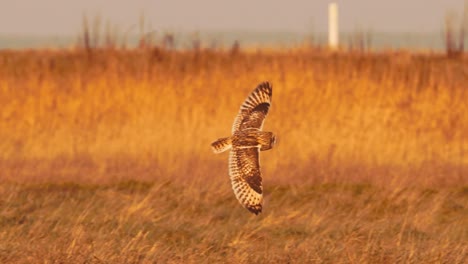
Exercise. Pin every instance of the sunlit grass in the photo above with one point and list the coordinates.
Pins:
(165, 222)
(106, 157)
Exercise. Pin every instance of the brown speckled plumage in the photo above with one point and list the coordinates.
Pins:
(246, 142)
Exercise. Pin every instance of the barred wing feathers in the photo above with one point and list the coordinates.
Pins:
(246, 180)
(253, 111)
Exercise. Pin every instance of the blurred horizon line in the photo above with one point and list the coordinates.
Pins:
(375, 40)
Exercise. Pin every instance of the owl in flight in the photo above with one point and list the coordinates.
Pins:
(245, 144)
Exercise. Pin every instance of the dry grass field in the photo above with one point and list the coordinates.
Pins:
(105, 157)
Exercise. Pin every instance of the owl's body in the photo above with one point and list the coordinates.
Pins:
(246, 142)
(245, 139)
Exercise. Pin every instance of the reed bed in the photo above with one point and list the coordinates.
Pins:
(105, 157)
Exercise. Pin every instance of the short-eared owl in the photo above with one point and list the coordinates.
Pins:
(246, 142)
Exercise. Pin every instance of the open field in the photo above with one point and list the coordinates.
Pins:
(105, 157)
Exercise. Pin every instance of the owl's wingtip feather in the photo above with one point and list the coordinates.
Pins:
(256, 209)
(266, 86)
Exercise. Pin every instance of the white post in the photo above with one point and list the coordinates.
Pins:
(333, 26)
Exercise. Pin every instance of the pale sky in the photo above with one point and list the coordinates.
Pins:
(64, 17)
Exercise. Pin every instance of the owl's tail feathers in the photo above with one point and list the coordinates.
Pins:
(221, 145)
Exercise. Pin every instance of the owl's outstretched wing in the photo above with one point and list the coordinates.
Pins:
(253, 111)
(246, 179)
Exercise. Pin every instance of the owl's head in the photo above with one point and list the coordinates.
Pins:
(272, 140)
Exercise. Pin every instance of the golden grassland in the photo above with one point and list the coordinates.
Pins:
(105, 157)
